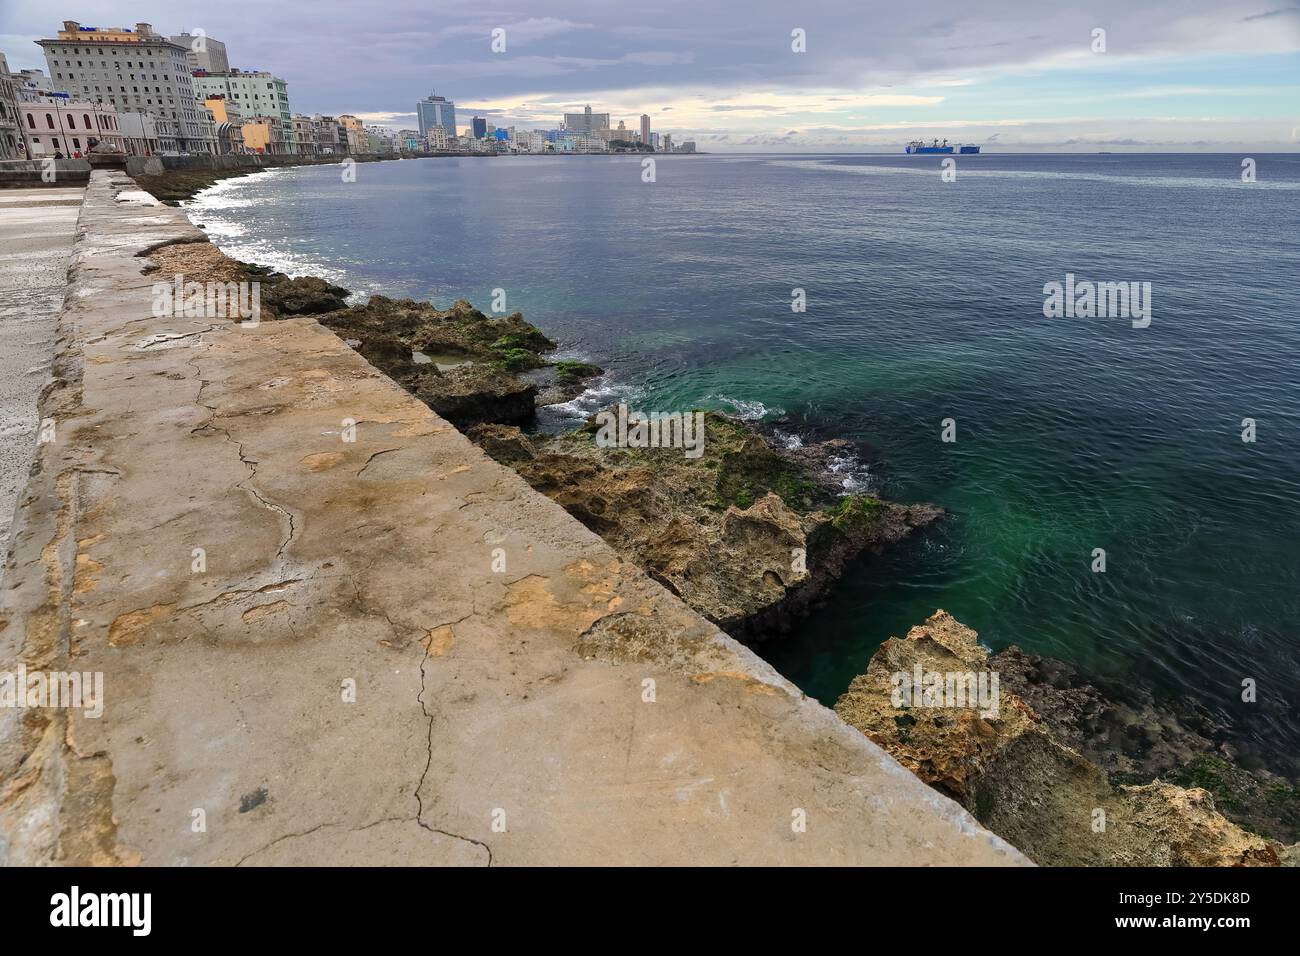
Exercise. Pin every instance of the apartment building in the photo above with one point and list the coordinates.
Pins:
(11, 133)
(586, 122)
(356, 133)
(54, 123)
(228, 121)
(304, 135)
(329, 134)
(255, 93)
(263, 134)
(204, 53)
(136, 70)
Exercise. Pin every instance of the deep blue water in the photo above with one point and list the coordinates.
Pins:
(925, 302)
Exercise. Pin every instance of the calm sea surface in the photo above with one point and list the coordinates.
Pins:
(924, 302)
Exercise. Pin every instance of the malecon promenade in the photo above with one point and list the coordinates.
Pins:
(343, 678)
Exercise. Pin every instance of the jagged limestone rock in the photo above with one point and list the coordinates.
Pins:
(744, 533)
(505, 443)
(1010, 770)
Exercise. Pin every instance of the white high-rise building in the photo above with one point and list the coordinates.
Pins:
(586, 122)
(204, 53)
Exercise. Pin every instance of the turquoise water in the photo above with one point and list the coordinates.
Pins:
(925, 302)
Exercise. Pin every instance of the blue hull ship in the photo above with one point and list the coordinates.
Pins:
(917, 146)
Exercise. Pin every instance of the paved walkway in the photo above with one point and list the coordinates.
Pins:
(320, 650)
(36, 233)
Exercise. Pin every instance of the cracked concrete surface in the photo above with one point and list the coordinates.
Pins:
(500, 717)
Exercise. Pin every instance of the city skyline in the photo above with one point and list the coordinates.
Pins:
(1194, 75)
(112, 75)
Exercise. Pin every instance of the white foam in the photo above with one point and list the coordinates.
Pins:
(599, 394)
(852, 471)
(220, 210)
(745, 409)
(788, 440)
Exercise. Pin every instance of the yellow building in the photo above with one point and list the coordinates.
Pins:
(262, 134)
(257, 137)
(72, 30)
(356, 133)
(227, 123)
(218, 106)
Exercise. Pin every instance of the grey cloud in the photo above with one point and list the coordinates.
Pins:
(382, 55)
(1270, 14)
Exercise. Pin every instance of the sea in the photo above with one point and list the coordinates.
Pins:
(1122, 491)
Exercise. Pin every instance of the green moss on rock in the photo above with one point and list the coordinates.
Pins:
(1271, 809)
(568, 371)
(856, 513)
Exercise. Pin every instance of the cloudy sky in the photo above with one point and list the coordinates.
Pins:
(1015, 74)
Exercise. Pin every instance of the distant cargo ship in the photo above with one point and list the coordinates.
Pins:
(917, 146)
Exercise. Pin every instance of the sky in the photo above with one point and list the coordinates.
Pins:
(1011, 75)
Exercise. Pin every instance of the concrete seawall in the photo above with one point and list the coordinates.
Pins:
(386, 650)
(28, 173)
(155, 165)
(35, 173)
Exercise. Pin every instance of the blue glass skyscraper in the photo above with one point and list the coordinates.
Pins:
(436, 111)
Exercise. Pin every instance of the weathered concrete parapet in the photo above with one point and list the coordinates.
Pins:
(26, 173)
(392, 651)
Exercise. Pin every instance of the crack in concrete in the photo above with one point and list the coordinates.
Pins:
(419, 801)
(236, 592)
(266, 502)
(248, 463)
(373, 457)
(485, 500)
(364, 608)
(308, 832)
(103, 336)
(166, 338)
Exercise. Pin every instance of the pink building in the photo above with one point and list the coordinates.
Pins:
(53, 123)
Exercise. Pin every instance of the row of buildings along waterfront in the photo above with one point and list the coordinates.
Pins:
(135, 90)
(35, 121)
(584, 132)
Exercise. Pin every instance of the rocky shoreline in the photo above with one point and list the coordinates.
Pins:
(174, 186)
(748, 534)
(1041, 767)
(752, 534)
